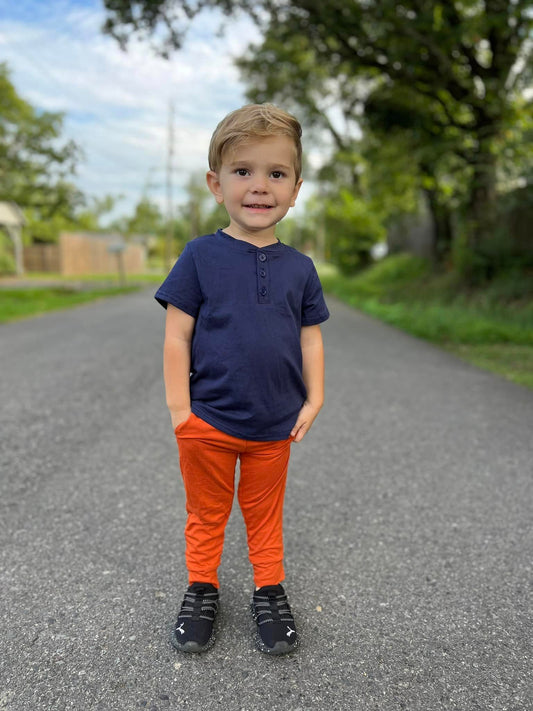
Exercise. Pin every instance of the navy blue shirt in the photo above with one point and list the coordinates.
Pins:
(249, 305)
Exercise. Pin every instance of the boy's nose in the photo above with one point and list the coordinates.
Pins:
(259, 185)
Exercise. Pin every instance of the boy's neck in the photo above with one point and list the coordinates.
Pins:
(259, 240)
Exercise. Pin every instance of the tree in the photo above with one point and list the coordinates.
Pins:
(146, 220)
(378, 172)
(200, 213)
(405, 141)
(466, 62)
(401, 95)
(35, 163)
(353, 229)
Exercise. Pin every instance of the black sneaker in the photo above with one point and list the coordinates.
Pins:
(276, 632)
(193, 631)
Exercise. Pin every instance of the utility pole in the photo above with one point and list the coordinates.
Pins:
(170, 169)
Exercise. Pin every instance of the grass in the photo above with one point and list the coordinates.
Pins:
(24, 302)
(490, 327)
(513, 362)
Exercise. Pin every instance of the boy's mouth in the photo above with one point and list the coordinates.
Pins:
(257, 206)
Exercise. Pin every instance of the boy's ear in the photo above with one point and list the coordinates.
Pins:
(213, 183)
(296, 191)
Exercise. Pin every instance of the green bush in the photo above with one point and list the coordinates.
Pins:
(356, 229)
(7, 263)
(380, 280)
(402, 290)
(7, 258)
(491, 327)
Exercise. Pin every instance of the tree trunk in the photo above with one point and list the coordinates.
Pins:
(442, 228)
(481, 215)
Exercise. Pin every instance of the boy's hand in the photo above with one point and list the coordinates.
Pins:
(179, 416)
(306, 417)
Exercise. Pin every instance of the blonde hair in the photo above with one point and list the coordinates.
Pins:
(254, 121)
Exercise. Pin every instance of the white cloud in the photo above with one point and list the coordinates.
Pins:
(116, 103)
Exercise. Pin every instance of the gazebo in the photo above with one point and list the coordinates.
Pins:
(11, 221)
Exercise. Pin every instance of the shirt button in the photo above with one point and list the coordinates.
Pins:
(263, 291)
(262, 273)
(262, 257)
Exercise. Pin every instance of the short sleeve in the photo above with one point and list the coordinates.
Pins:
(314, 309)
(182, 288)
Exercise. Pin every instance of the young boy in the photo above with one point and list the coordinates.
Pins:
(244, 369)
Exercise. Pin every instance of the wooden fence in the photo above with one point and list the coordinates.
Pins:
(77, 254)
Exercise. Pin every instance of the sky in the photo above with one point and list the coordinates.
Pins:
(116, 103)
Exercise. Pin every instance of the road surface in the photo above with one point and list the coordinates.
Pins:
(408, 530)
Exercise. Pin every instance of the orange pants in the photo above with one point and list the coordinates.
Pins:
(208, 459)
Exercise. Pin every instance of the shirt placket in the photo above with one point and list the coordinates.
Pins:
(263, 279)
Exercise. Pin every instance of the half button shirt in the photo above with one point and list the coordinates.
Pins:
(250, 304)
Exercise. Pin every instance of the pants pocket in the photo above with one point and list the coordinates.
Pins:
(182, 425)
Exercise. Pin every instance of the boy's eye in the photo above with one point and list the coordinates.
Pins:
(277, 174)
(242, 172)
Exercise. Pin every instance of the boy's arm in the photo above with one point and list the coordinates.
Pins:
(313, 375)
(177, 363)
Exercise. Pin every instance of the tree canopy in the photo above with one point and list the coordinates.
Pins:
(36, 163)
(446, 79)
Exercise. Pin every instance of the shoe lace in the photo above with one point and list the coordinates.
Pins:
(199, 605)
(272, 607)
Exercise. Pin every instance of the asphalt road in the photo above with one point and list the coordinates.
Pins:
(408, 530)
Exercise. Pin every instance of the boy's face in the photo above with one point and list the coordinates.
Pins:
(257, 184)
